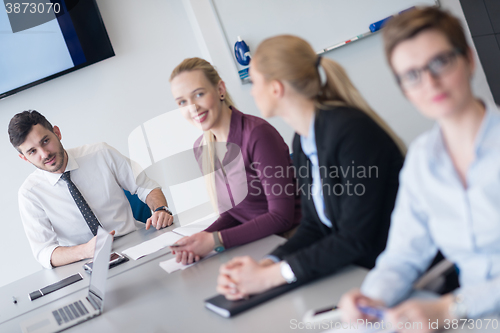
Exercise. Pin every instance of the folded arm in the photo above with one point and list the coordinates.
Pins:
(362, 215)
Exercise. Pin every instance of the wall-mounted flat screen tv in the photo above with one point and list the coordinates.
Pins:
(41, 40)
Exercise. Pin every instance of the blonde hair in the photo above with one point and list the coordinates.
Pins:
(291, 59)
(208, 155)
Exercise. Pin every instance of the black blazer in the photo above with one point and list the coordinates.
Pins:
(345, 138)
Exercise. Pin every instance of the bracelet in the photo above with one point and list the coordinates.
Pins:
(219, 247)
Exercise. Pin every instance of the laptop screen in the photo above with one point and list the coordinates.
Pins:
(101, 265)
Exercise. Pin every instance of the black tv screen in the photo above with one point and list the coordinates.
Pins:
(41, 40)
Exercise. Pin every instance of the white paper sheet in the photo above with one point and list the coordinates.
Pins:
(171, 266)
(152, 245)
(196, 226)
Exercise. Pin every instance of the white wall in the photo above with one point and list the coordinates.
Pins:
(363, 60)
(105, 101)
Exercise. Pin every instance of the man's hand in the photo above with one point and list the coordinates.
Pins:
(63, 255)
(243, 276)
(194, 247)
(160, 219)
(90, 246)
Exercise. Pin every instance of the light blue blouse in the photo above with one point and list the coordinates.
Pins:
(434, 211)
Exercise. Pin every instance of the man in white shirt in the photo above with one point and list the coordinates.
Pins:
(75, 190)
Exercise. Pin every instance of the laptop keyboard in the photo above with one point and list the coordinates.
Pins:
(70, 312)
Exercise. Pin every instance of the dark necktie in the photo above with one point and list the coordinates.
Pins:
(83, 206)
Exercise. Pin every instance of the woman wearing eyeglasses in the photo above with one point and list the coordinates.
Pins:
(449, 195)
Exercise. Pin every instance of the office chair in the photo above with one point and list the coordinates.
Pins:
(441, 277)
(140, 210)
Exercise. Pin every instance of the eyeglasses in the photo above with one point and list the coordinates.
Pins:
(437, 66)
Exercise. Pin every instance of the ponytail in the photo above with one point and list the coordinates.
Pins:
(291, 59)
(339, 91)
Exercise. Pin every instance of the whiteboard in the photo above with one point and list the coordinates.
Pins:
(321, 22)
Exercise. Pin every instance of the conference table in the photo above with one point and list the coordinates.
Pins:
(142, 297)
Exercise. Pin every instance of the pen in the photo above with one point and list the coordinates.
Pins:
(371, 311)
(14, 300)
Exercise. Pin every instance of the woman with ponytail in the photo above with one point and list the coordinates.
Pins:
(347, 161)
(240, 156)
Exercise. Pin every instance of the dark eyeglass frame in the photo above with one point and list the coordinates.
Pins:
(449, 55)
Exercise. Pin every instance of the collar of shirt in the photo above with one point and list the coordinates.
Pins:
(52, 178)
(483, 137)
(308, 143)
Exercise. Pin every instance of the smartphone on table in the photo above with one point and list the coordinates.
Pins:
(115, 259)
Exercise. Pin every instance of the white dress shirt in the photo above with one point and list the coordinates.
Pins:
(50, 215)
(434, 211)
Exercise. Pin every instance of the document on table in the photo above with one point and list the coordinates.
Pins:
(196, 226)
(152, 245)
(172, 266)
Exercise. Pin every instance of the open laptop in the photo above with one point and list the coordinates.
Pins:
(85, 308)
